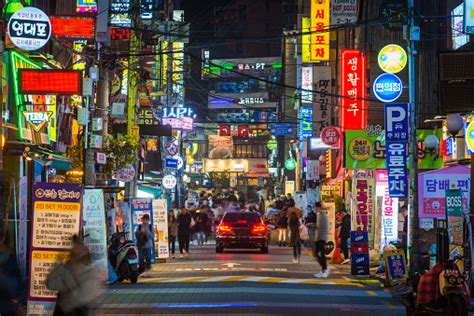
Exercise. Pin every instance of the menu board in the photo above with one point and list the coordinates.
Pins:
(395, 267)
(56, 218)
(160, 227)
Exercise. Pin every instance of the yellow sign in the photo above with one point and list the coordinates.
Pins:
(392, 58)
(469, 135)
(360, 149)
(320, 38)
(306, 40)
(135, 132)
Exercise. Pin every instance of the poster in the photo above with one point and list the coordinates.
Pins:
(289, 187)
(160, 228)
(138, 208)
(95, 235)
(220, 147)
(387, 207)
(56, 218)
(312, 170)
(432, 186)
(331, 242)
(362, 206)
(301, 201)
(455, 216)
(23, 225)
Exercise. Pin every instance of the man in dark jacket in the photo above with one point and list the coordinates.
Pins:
(345, 234)
(184, 230)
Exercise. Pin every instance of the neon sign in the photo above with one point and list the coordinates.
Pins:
(37, 119)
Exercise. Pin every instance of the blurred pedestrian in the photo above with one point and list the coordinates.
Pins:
(293, 209)
(144, 237)
(322, 232)
(345, 234)
(76, 281)
(295, 239)
(172, 232)
(11, 285)
(200, 229)
(282, 227)
(184, 230)
(310, 222)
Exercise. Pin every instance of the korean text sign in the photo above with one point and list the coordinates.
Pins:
(395, 267)
(138, 208)
(363, 190)
(388, 208)
(322, 107)
(160, 227)
(455, 216)
(56, 218)
(353, 90)
(432, 187)
(320, 37)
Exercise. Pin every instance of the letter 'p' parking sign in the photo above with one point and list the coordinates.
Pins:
(396, 122)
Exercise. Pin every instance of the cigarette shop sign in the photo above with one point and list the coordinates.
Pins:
(29, 29)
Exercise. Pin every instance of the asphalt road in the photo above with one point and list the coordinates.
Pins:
(247, 283)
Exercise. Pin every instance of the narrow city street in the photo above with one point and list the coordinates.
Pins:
(247, 283)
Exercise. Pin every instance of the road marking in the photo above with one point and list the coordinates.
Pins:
(231, 264)
(239, 278)
(372, 293)
(232, 269)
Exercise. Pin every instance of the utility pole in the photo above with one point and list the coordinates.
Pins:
(413, 233)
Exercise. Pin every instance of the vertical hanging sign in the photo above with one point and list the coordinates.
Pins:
(320, 38)
(353, 112)
(306, 40)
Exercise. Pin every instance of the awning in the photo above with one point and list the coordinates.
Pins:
(58, 162)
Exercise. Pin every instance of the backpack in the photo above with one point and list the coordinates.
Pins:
(142, 238)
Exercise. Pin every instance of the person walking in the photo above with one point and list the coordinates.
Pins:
(172, 232)
(295, 239)
(201, 226)
(144, 237)
(310, 222)
(293, 209)
(345, 234)
(282, 227)
(322, 232)
(184, 230)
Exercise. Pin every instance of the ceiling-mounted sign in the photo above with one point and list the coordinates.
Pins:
(388, 87)
(37, 119)
(29, 29)
(169, 181)
(330, 136)
(392, 58)
(49, 81)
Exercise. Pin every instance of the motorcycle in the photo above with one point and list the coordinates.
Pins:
(453, 298)
(124, 257)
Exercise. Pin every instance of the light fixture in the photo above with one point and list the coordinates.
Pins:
(431, 143)
(454, 123)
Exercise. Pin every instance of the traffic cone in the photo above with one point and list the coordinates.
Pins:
(336, 255)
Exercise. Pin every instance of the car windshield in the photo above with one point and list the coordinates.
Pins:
(241, 218)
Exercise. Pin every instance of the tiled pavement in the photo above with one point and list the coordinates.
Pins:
(246, 283)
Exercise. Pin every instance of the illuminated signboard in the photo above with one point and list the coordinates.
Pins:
(120, 13)
(48, 81)
(305, 40)
(86, 6)
(353, 91)
(119, 33)
(458, 38)
(178, 118)
(307, 84)
(73, 27)
(29, 29)
(392, 58)
(37, 119)
(387, 87)
(251, 100)
(234, 68)
(469, 17)
(320, 38)
(306, 122)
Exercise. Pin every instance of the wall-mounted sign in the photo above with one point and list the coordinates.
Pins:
(234, 130)
(120, 34)
(29, 28)
(101, 158)
(281, 129)
(320, 21)
(220, 147)
(251, 100)
(178, 118)
(322, 106)
(37, 119)
(73, 27)
(455, 216)
(307, 84)
(363, 191)
(306, 39)
(169, 181)
(48, 81)
(387, 87)
(126, 174)
(171, 163)
(468, 17)
(343, 12)
(290, 164)
(458, 38)
(331, 136)
(468, 136)
(392, 58)
(86, 6)
(353, 91)
(306, 122)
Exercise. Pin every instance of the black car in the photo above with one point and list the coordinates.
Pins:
(242, 230)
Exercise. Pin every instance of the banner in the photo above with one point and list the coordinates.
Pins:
(331, 242)
(353, 110)
(455, 216)
(343, 12)
(95, 234)
(388, 208)
(138, 208)
(366, 150)
(322, 106)
(432, 187)
(320, 36)
(56, 218)
(160, 227)
(362, 206)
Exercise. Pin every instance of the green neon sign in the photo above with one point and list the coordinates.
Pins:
(290, 164)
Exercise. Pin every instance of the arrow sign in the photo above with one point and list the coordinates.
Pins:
(231, 265)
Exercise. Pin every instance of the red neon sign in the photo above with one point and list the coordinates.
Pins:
(45, 81)
(353, 91)
(119, 33)
(73, 27)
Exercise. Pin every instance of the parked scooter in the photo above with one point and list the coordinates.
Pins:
(124, 257)
(453, 297)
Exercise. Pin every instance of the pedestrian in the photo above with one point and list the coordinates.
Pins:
(11, 285)
(310, 222)
(322, 231)
(345, 234)
(184, 230)
(172, 232)
(293, 209)
(282, 227)
(76, 281)
(201, 225)
(295, 239)
(144, 237)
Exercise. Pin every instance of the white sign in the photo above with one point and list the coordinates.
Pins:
(289, 187)
(169, 181)
(307, 84)
(343, 12)
(126, 174)
(469, 17)
(388, 208)
(458, 38)
(160, 226)
(172, 149)
(178, 113)
(101, 158)
(29, 28)
(95, 235)
(312, 170)
(331, 209)
(251, 100)
(180, 162)
(322, 106)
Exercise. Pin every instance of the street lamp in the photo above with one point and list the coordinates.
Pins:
(454, 123)
(431, 144)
